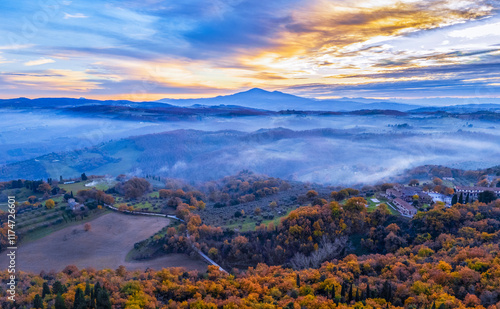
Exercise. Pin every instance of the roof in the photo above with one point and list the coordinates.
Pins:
(477, 188)
(404, 204)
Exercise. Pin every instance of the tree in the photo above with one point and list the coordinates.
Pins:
(414, 182)
(38, 302)
(102, 300)
(454, 199)
(486, 197)
(79, 300)
(355, 205)
(134, 188)
(461, 198)
(45, 289)
(50, 204)
(59, 303)
(57, 288)
(437, 181)
(44, 187)
(84, 177)
(87, 289)
(273, 205)
(213, 252)
(87, 227)
(311, 194)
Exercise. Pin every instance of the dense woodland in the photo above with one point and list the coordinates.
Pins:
(332, 253)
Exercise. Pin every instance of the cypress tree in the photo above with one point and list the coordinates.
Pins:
(368, 292)
(357, 295)
(87, 289)
(97, 288)
(59, 304)
(298, 280)
(57, 288)
(102, 301)
(467, 199)
(45, 289)
(461, 198)
(454, 199)
(79, 300)
(433, 305)
(349, 297)
(38, 302)
(333, 291)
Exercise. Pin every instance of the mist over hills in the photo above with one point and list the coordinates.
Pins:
(274, 133)
(328, 156)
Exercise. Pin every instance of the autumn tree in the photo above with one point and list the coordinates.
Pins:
(414, 182)
(50, 204)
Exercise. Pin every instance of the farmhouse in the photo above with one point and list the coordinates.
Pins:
(73, 205)
(474, 191)
(404, 208)
(407, 193)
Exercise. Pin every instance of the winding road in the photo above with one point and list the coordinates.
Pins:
(203, 255)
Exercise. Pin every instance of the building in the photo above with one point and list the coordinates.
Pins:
(404, 207)
(73, 205)
(407, 193)
(474, 191)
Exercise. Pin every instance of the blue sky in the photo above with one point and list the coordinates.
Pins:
(151, 49)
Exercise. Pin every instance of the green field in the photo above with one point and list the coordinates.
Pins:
(372, 205)
(44, 231)
(75, 187)
(248, 224)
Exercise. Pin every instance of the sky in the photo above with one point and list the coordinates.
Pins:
(152, 49)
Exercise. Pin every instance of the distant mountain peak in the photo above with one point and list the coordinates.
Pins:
(256, 90)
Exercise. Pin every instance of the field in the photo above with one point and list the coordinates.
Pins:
(372, 205)
(106, 245)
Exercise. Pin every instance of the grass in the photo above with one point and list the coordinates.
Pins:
(75, 187)
(248, 224)
(21, 194)
(155, 194)
(42, 232)
(372, 205)
(143, 206)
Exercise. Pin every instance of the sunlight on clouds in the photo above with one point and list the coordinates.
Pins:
(348, 37)
(62, 80)
(479, 31)
(39, 62)
(233, 45)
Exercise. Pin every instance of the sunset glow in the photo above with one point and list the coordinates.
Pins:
(323, 48)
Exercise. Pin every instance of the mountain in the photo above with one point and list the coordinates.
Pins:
(275, 101)
(44, 103)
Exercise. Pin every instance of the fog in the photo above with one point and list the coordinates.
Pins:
(358, 149)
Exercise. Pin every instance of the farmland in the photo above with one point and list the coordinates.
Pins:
(106, 245)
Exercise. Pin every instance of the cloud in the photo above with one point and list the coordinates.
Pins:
(60, 80)
(39, 62)
(228, 45)
(77, 15)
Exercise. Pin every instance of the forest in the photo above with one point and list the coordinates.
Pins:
(332, 253)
